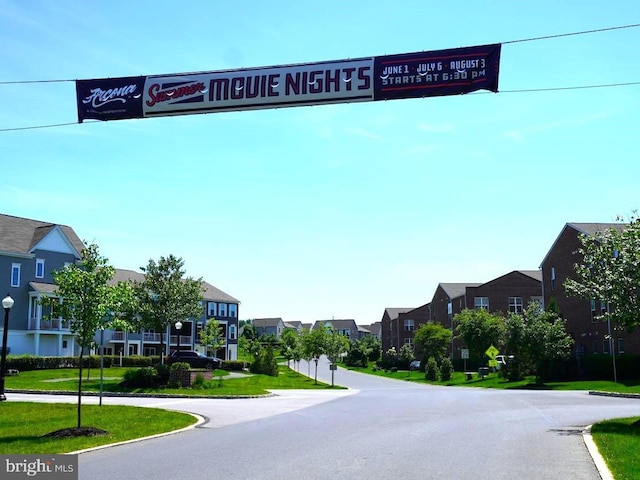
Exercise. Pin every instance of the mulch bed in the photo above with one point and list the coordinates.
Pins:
(76, 432)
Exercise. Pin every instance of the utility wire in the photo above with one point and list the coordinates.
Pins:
(584, 32)
(532, 39)
(524, 90)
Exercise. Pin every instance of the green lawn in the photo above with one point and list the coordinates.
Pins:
(23, 425)
(493, 380)
(222, 385)
(619, 443)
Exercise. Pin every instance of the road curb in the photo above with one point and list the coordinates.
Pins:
(601, 465)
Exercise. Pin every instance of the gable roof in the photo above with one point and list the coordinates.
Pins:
(210, 293)
(534, 274)
(338, 324)
(455, 290)
(267, 322)
(393, 312)
(20, 235)
(584, 228)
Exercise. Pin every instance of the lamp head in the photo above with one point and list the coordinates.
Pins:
(7, 302)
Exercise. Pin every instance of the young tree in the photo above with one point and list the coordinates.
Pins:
(480, 329)
(165, 296)
(433, 339)
(315, 344)
(211, 336)
(87, 301)
(289, 344)
(335, 345)
(610, 272)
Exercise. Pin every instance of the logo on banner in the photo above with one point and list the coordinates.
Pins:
(110, 98)
(180, 92)
(99, 98)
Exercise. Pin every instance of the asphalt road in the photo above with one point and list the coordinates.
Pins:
(378, 429)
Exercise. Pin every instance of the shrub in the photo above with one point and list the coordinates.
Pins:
(265, 362)
(234, 365)
(431, 370)
(144, 377)
(446, 369)
(198, 382)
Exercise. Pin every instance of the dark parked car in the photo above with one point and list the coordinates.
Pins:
(194, 359)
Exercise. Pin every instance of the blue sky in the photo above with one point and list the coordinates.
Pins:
(340, 210)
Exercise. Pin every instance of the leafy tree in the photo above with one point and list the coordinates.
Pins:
(359, 353)
(165, 296)
(373, 347)
(315, 345)
(433, 339)
(335, 345)
(249, 331)
(87, 301)
(304, 351)
(610, 272)
(480, 329)
(289, 344)
(535, 339)
(211, 336)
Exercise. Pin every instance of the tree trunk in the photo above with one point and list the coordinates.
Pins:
(80, 389)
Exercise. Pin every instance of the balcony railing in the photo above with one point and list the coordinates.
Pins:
(148, 337)
(54, 324)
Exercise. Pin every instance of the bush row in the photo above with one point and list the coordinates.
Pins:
(25, 363)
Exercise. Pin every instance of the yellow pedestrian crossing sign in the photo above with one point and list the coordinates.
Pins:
(492, 352)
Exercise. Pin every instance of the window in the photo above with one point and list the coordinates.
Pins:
(605, 346)
(408, 341)
(211, 309)
(233, 310)
(621, 345)
(603, 308)
(553, 278)
(515, 304)
(64, 344)
(539, 301)
(222, 309)
(15, 274)
(39, 267)
(593, 310)
(232, 332)
(391, 327)
(595, 346)
(408, 325)
(481, 302)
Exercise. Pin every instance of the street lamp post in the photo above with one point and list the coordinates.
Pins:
(178, 328)
(7, 303)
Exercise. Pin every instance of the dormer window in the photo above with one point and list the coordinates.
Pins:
(39, 267)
